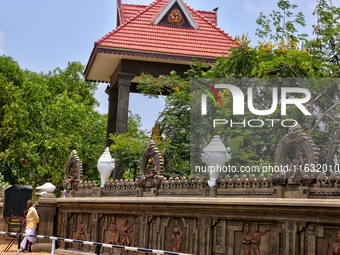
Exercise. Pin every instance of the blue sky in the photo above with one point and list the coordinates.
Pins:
(43, 35)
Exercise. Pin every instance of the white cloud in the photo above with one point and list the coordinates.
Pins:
(251, 7)
(2, 43)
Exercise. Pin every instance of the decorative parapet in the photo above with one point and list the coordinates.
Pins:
(331, 181)
(245, 182)
(86, 185)
(326, 186)
(183, 183)
(120, 185)
(181, 186)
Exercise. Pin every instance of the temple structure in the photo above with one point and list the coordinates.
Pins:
(154, 39)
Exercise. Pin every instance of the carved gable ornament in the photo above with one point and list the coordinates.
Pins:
(151, 152)
(73, 172)
(296, 137)
(175, 13)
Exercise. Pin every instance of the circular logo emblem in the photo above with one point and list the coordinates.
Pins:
(175, 16)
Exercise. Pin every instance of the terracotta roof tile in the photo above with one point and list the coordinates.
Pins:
(211, 16)
(131, 10)
(138, 33)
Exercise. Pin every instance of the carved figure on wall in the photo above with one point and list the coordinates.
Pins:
(115, 235)
(126, 240)
(335, 247)
(73, 178)
(177, 237)
(247, 241)
(73, 172)
(295, 137)
(256, 238)
(81, 233)
(297, 163)
(153, 170)
(154, 178)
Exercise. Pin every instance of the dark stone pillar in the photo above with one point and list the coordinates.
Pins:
(119, 93)
(124, 84)
(112, 113)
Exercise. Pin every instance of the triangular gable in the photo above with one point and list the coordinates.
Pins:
(175, 13)
(120, 13)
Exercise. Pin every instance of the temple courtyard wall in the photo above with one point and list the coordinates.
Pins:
(208, 224)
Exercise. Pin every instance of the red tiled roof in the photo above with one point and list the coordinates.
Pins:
(131, 10)
(138, 33)
(211, 16)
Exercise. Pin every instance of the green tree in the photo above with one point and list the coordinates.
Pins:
(172, 129)
(128, 148)
(285, 54)
(43, 117)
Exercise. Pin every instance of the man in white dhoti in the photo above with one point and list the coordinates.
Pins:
(32, 219)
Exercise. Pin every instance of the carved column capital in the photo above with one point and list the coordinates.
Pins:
(123, 79)
(111, 91)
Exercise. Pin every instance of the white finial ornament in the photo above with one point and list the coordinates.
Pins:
(46, 190)
(215, 155)
(105, 166)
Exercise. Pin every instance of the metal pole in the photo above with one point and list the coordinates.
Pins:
(98, 249)
(19, 241)
(53, 247)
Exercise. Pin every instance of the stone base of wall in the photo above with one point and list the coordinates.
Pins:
(61, 251)
(45, 247)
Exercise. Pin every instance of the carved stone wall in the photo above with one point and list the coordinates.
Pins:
(206, 225)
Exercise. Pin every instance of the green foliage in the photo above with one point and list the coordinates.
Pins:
(282, 56)
(43, 117)
(280, 22)
(173, 125)
(128, 148)
(327, 30)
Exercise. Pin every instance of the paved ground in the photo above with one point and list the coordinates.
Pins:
(14, 249)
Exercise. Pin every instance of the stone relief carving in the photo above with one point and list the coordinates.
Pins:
(256, 238)
(297, 164)
(115, 235)
(126, 239)
(177, 237)
(247, 241)
(335, 250)
(81, 232)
